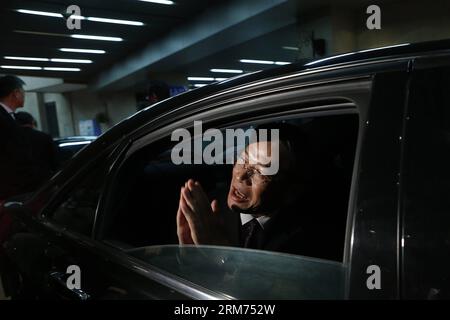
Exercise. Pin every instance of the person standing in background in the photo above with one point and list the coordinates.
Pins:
(43, 149)
(18, 173)
(156, 92)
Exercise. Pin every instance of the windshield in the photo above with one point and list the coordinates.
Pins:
(249, 274)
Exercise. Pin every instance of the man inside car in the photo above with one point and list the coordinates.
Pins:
(272, 208)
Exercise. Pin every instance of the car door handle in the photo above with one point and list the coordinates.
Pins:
(59, 279)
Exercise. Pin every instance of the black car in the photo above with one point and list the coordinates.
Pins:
(380, 121)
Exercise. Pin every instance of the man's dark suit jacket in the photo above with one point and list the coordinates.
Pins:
(18, 174)
(296, 231)
(43, 151)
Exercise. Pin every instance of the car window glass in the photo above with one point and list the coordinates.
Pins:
(77, 207)
(249, 274)
(67, 148)
(144, 200)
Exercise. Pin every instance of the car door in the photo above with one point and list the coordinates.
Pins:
(425, 228)
(52, 245)
(53, 254)
(107, 266)
(375, 244)
(141, 201)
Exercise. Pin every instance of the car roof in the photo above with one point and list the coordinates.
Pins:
(398, 50)
(184, 102)
(395, 52)
(403, 50)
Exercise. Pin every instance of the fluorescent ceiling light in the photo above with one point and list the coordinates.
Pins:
(77, 17)
(82, 50)
(41, 13)
(95, 19)
(89, 37)
(116, 21)
(46, 59)
(280, 63)
(66, 144)
(26, 58)
(220, 79)
(199, 85)
(61, 69)
(227, 70)
(21, 67)
(76, 36)
(200, 79)
(40, 68)
(160, 1)
(291, 48)
(70, 60)
(257, 61)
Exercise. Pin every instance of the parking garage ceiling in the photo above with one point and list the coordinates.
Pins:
(36, 33)
(188, 37)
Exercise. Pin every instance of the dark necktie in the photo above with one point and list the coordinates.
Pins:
(252, 231)
(13, 115)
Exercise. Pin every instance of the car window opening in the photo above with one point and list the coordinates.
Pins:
(311, 223)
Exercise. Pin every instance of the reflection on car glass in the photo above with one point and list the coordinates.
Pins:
(148, 194)
(249, 274)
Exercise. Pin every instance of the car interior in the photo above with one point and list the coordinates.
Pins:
(144, 202)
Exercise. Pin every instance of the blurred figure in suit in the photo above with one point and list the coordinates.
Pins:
(43, 149)
(17, 170)
(156, 92)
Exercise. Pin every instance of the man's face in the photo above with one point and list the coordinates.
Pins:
(251, 191)
(19, 98)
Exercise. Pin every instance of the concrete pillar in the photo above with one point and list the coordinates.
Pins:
(343, 30)
(42, 112)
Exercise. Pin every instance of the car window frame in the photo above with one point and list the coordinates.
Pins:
(110, 154)
(358, 88)
(409, 289)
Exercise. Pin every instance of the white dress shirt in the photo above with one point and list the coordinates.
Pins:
(245, 217)
(8, 109)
